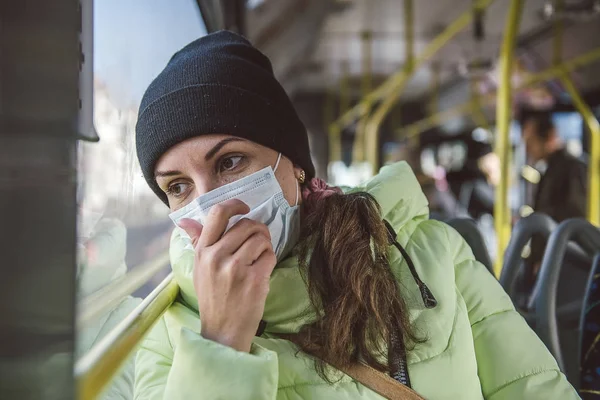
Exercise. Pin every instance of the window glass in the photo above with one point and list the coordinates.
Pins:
(122, 226)
(569, 125)
(133, 41)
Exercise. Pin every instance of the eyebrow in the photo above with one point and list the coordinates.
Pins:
(212, 152)
(209, 155)
(163, 174)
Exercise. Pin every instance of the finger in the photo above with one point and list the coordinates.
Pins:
(235, 238)
(192, 228)
(218, 218)
(252, 249)
(263, 267)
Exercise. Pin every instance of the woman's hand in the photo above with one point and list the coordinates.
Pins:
(231, 274)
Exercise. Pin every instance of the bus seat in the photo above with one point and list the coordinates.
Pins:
(513, 268)
(560, 287)
(468, 229)
(590, 331)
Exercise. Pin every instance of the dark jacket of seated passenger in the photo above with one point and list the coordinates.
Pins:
(561, 194)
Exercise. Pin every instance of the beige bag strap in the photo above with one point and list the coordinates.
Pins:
(380, 383)
(375, 380)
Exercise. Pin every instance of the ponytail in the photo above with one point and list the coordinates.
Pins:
(360, 312)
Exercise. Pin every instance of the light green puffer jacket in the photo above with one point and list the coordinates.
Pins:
(478, 346)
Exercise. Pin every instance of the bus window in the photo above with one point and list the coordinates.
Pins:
(125, 62)
(570, 128)
(123, 227)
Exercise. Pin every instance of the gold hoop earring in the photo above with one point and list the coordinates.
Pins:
(302, 176)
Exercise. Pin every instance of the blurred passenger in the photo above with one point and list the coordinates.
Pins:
(473, 183)
(443, 205)
(283, 277)
(561, 193)
(489, 164)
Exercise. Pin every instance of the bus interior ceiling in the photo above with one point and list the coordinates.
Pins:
(320, 54)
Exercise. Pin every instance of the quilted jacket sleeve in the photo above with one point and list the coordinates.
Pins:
(512, 361)
(201, 369)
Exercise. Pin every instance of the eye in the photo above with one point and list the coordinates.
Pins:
(177, 189)
(229, 163)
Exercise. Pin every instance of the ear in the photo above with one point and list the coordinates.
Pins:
(299, 174)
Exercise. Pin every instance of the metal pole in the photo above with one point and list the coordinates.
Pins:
(96, 368)
(502, 217)
(409, 33)
(409, 18)
(335, 132)
(358, 154)
(434, 101)
(396, 121)
(39, 77)
(328, 117)
(478, 115)
(397, 82)
(398, 79)
(556, 71)
(461, 109)
(436, 119)
(335, 145)
(372, 136)
(591, 122)
(345, 87)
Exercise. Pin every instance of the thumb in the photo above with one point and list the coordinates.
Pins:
(192, 228)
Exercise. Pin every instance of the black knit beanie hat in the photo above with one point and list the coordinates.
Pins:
(218, 84)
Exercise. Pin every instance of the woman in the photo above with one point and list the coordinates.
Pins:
(217, 139)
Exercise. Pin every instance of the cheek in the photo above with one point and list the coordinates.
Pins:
(292, 194)
(289, 186)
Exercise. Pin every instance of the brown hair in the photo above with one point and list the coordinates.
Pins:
(357, 300)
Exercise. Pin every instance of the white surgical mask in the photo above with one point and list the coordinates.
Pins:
(263, 195)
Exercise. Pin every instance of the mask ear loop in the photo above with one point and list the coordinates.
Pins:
(277, 163)
(297, 184)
